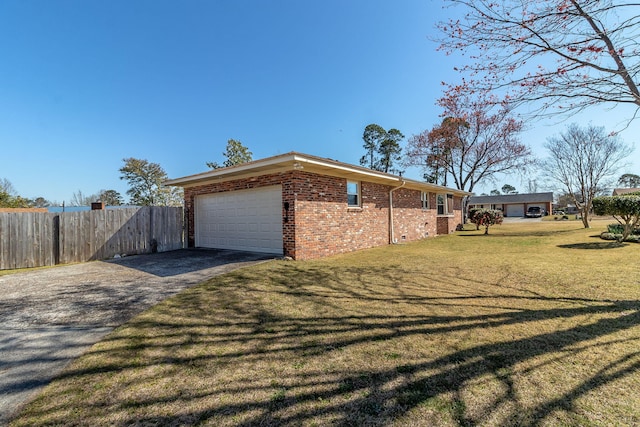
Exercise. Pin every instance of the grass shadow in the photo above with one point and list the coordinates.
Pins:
(366, 341)
(595, 245)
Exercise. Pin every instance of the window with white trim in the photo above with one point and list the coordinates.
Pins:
(353, 194)
(444, 204)
(424, 198)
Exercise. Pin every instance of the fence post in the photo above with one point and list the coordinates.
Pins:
(153, 242)
(56, 239)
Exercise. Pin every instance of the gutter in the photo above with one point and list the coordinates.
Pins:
(392, 239)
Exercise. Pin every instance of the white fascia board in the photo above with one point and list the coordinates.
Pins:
(315, 164)
(343, 167)
(244, 167)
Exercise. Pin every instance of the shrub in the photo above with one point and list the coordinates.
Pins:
(625, 209)
(619, 229)
(485, 218)
(472, 213)
(633, 238)
(615, 228)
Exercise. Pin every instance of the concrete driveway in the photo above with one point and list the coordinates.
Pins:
(520, 219)
(51, 316)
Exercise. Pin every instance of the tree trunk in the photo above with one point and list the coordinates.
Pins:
(585, 218)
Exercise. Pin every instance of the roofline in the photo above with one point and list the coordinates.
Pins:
(294, 160)
(214, 173)
(515, 196)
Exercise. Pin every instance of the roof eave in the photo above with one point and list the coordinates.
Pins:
(298, 161)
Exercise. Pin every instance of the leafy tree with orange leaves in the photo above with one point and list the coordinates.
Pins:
(476, 140)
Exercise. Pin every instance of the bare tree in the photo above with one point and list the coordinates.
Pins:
(581, 160)
(80, 199)
(567, 54)
(7, 187)
(476, 141)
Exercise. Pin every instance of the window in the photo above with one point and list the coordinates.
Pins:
(442, 206)
(424, 198)
(445, 204)
(353, 194)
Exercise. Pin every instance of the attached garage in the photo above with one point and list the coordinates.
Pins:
(515, 210)
(247, 220)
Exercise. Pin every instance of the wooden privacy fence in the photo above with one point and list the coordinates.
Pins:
(35, 239)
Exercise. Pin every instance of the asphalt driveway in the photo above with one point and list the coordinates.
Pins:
(51, 316)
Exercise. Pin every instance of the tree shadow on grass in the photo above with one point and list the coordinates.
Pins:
(497, 232)
(238, 324)
(595, 245)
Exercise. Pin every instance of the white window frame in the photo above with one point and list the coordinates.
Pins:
(356, 194)
(446, 209)
(424, 199)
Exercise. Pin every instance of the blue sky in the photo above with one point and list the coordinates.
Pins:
(85, 84)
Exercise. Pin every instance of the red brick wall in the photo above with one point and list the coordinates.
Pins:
(319, 222)
(447, 224)
(325, 225)
(410, 221)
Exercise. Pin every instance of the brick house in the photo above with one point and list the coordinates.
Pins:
(307, 207)
(513, 205)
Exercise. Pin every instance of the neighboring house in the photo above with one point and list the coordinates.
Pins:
(513, 205)
(621, 191)
(306, 207)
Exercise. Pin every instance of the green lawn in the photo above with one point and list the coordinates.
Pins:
(536, 324)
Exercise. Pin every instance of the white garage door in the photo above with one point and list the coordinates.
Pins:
(515, 210)
(247, 220)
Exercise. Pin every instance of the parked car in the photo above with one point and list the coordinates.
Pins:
(534, 212)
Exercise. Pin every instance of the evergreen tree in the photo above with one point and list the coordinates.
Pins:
(235, 153)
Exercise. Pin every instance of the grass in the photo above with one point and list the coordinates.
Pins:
(536, 324)
(20, 270)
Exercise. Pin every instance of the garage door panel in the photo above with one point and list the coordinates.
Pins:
(515, 210)
(248, 220)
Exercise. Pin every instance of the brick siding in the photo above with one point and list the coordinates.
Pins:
(410, 221)
(325, 225)
(319, 222)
